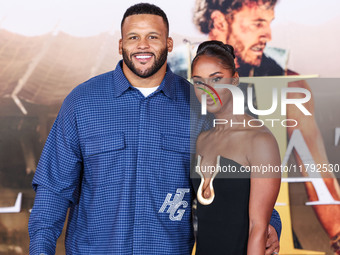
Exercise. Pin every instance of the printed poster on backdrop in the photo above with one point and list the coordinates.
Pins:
(47, 49)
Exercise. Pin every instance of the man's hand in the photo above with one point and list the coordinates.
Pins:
(272, 244)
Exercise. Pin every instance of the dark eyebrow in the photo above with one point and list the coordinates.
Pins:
(131, 33)
(134, 33)
(260, 20)
(263, 20)
(215, 74)
(155, 33)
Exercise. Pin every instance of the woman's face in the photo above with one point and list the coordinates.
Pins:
(207, 72)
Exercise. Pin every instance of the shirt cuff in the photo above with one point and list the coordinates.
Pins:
(275, 221)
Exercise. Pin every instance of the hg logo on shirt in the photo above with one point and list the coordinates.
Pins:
(175, 204)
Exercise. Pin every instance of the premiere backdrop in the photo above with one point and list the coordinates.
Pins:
(49, 47)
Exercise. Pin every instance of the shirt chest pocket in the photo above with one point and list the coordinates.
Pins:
(104, 157)
(175, 159)
(101, 144)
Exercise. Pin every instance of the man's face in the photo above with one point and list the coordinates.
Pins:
(144, 44)
(250, 31)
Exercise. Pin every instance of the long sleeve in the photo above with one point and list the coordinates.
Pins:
(56, 182)
(46, 221)
(275, 221)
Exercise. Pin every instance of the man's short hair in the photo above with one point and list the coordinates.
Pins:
(145, 8)
(204, 8)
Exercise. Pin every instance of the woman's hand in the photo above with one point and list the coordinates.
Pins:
(272, 244)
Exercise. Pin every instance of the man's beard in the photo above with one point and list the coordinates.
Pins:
(239, 50)
(242, 60)
(158, 63)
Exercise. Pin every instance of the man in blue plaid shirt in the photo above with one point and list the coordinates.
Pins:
(118, 155)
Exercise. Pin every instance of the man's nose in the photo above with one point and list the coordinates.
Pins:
(143, 44)
(266, 33)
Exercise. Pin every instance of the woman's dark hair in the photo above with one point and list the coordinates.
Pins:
(217, 49)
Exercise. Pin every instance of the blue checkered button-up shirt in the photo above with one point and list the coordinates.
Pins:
(121, 162)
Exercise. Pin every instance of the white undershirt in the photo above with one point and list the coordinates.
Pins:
(147, 91)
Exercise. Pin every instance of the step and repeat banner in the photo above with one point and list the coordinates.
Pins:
(49, 47)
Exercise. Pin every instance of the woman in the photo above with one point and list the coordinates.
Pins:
(234, 204)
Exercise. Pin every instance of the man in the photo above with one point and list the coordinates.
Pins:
(245, 24)
(118, 155)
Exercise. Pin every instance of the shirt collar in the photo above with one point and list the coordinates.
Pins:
(122, 84)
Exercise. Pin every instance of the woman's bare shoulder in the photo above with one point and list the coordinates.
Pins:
(263, 147)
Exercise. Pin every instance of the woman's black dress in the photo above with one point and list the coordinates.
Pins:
(223, 225)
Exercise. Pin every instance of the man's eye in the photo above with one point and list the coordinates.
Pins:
(133, 37)
(153, 37)
(258, 24)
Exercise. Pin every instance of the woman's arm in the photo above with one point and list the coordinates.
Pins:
(265, 185)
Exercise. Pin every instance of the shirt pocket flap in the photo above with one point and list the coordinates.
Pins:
(176, 143)
(100, 144)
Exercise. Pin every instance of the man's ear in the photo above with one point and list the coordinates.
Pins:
(219, 31)
(170, 44)
(120, 47)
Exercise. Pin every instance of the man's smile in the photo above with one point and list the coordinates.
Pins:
(143, 58)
